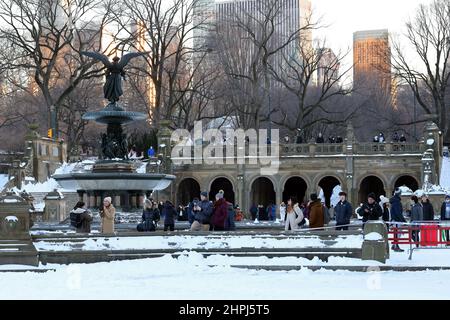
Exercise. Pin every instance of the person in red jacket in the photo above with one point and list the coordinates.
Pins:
(220, 213)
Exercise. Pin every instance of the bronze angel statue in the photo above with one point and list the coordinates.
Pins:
(114, 72)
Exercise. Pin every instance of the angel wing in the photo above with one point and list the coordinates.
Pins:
(98, 56)
(126, 58)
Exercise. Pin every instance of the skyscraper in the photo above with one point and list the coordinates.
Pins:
(289, 17)
(328, 67)
(372, 60)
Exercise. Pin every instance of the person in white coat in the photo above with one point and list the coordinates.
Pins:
(294, 215)
(283, 211)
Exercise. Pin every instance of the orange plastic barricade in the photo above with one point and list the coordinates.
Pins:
(429, 235)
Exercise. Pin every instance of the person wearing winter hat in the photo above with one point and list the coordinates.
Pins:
(445, 214)
(416, 216)
(396, 215)
(107, 213)
(370, 210)
(207, 210)
(220, 213)
(384, 204)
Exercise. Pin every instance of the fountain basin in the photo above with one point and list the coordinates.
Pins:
(116, 181)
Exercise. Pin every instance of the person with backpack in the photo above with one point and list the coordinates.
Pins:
(343, 212)
(81, 218)
(169, 213)
(150, 216)
(107, 213)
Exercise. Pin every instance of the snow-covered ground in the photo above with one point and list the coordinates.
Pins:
(192, 276)
(192, 242)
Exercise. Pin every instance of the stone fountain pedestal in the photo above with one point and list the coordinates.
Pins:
(16, 246)
(114, 175)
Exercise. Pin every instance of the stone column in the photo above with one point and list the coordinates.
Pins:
(126, 201)
(133, 202)
(85, 198)
(98, 201)
(91, 200)
(389, 191)
(350, 147)
(116, 200)
(140, 200)
(278, 199)
(240, 195)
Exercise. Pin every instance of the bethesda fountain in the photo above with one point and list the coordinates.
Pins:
(114, 174)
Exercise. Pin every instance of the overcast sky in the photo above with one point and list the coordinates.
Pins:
(348, 16)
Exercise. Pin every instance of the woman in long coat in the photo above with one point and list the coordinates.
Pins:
(107, 213)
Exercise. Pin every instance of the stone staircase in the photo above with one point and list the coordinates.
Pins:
(18, 252)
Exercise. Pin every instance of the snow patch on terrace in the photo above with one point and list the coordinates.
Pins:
(373, 236)
(190, 242)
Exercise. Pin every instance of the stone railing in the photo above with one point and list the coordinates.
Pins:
(389, 148)
(325, 149)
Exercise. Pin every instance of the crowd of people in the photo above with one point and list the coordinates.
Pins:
(378, 138)
(391, 211)
(221, 215)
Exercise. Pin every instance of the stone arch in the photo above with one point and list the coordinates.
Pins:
(187, 189)
(263, 193)
(297, 186)
(222, 183)
(406, 180)
(327, 183)
(368, 184)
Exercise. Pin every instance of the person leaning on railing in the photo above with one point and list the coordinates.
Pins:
(396, 215)
(416, 216)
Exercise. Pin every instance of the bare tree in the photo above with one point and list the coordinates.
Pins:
(165, 30)
(429, 34)
(316, 81)
(47, 37)
(250, 43)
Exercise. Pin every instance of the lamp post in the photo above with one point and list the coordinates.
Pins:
(54, 133)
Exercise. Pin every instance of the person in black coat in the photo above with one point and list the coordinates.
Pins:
(384, 203)
(343, 212)
(150, 216)
(320, 138)
(427, 207)
(254, 211)
(169, 213)
(262, 214)
(397, 214)
(370, 210)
